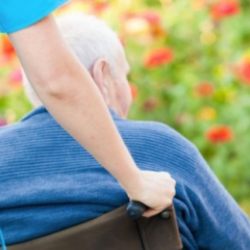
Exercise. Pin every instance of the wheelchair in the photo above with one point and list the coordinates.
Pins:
(121, 229)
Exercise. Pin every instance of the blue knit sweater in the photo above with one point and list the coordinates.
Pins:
(49, 182)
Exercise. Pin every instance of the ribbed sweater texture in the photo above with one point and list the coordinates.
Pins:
(49, 182)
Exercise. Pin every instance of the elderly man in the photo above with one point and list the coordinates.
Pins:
(50, 183)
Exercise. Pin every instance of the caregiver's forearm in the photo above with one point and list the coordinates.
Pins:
(70, 95)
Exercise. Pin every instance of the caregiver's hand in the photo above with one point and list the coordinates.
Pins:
(154, 189)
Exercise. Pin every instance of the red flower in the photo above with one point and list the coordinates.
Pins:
(205, 89)
(3, 122)
(225, 8)
(243, 71)
(15, 78)
(219, 134)
(159, 57)
(100, 6)
(8, 49)
(153, 18)
(134, 90)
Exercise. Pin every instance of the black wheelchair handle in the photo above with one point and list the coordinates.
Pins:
(136, 209)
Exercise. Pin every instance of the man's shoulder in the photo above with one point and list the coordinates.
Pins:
(159, 146)
(32, 124)
(157, 133)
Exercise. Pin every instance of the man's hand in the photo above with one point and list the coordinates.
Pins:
(154, 189)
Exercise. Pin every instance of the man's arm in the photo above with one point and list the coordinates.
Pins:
(68, 92)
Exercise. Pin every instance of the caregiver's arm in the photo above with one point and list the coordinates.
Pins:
(68, 92)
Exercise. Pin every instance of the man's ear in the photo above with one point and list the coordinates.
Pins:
(100, 71)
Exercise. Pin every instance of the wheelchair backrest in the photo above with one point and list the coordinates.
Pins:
(113, 231)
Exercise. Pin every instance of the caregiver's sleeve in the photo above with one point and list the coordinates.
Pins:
(19, 14)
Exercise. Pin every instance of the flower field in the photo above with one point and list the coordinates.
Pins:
(190, 68)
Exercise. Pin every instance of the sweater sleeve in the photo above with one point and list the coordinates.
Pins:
(16, 15)
(215, 219)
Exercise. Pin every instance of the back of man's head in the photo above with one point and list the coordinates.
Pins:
(90, 39)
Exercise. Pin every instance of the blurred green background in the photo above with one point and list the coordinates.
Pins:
(190, 68)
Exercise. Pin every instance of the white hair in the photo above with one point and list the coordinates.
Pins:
(90, 39)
